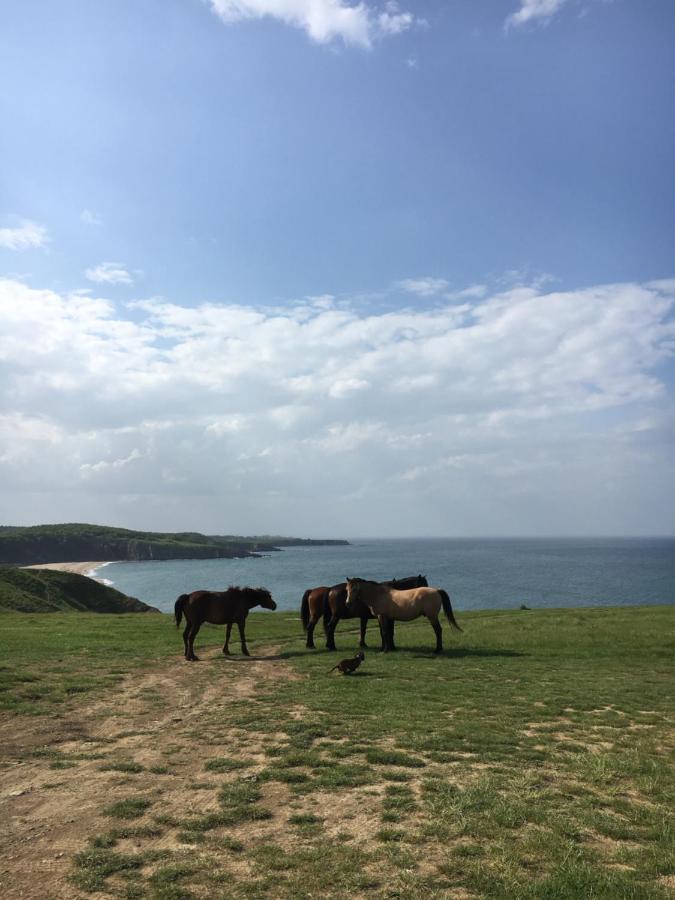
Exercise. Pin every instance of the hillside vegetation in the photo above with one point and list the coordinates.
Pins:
(76, 542)
(41, 590)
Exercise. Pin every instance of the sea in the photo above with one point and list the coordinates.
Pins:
(477, 573)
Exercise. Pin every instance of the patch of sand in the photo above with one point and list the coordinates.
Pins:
(77, 568)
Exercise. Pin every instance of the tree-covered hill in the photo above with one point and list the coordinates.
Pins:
(82, 542)
(43, 590)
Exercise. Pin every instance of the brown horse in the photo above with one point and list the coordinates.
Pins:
(390, 603)
(219, 608)
(337, 604)
(312, 607)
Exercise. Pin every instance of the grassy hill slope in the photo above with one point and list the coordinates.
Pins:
(41, 590)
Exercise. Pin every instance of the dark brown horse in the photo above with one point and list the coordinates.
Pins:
(337, 604)
(219, 608)
(312, 607)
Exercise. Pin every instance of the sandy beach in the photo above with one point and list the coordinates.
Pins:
(79, 568)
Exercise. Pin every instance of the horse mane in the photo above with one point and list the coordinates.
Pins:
(248, 594)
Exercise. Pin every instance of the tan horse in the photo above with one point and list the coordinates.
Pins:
(390, 604)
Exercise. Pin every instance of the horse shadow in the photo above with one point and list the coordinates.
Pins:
(461, 652)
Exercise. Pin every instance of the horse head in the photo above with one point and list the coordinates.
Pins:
(265, 599)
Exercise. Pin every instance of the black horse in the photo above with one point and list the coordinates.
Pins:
(219, 608)
(336, 603)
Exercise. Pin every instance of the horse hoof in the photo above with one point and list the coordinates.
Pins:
(245, 652)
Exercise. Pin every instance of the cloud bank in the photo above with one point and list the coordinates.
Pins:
(519, 412)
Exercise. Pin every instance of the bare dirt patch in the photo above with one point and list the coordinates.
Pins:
(55, 786)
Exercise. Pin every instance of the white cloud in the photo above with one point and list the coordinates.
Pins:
(104, 466)
(23, 236)
(109, 273)
(90, 218)
(423, 287)
(521, 400)
(357, 24)
(535, 11)
(474, 291)
(393, 21)
(344, 386)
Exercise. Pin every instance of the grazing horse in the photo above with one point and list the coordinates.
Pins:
(312, 607)
(219, 608)
(403, 606)
(337, 602)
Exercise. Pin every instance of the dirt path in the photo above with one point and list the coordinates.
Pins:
(55, 784)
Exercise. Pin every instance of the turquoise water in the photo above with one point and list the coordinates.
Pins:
(478, 574)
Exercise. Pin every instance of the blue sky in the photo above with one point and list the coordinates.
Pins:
(169, 168)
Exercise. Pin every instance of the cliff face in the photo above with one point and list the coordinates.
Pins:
(40, 590)
(48, 549)
(81, 543)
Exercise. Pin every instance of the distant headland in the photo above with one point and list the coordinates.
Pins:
(75, 542)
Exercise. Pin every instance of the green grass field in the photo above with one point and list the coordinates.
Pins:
(532, 759)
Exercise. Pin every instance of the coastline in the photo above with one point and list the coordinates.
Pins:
(78, 568)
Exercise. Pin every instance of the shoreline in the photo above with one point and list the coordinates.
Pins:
(77, 568)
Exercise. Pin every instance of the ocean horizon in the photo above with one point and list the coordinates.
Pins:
(478, 573)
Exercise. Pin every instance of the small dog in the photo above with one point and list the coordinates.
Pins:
(347, 666)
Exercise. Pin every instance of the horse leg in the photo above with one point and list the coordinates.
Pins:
(194, 631)
(330, 633)
(244, 648)
(384, 631)
(228, 632)
(310, 633)
(364, 625)
(389, 625)
(383, 636)
(438, 631)
(185, 639)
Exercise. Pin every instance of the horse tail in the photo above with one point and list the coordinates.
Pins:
(304, 609)
(327, 611)
(178, 608)
(447, 609)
